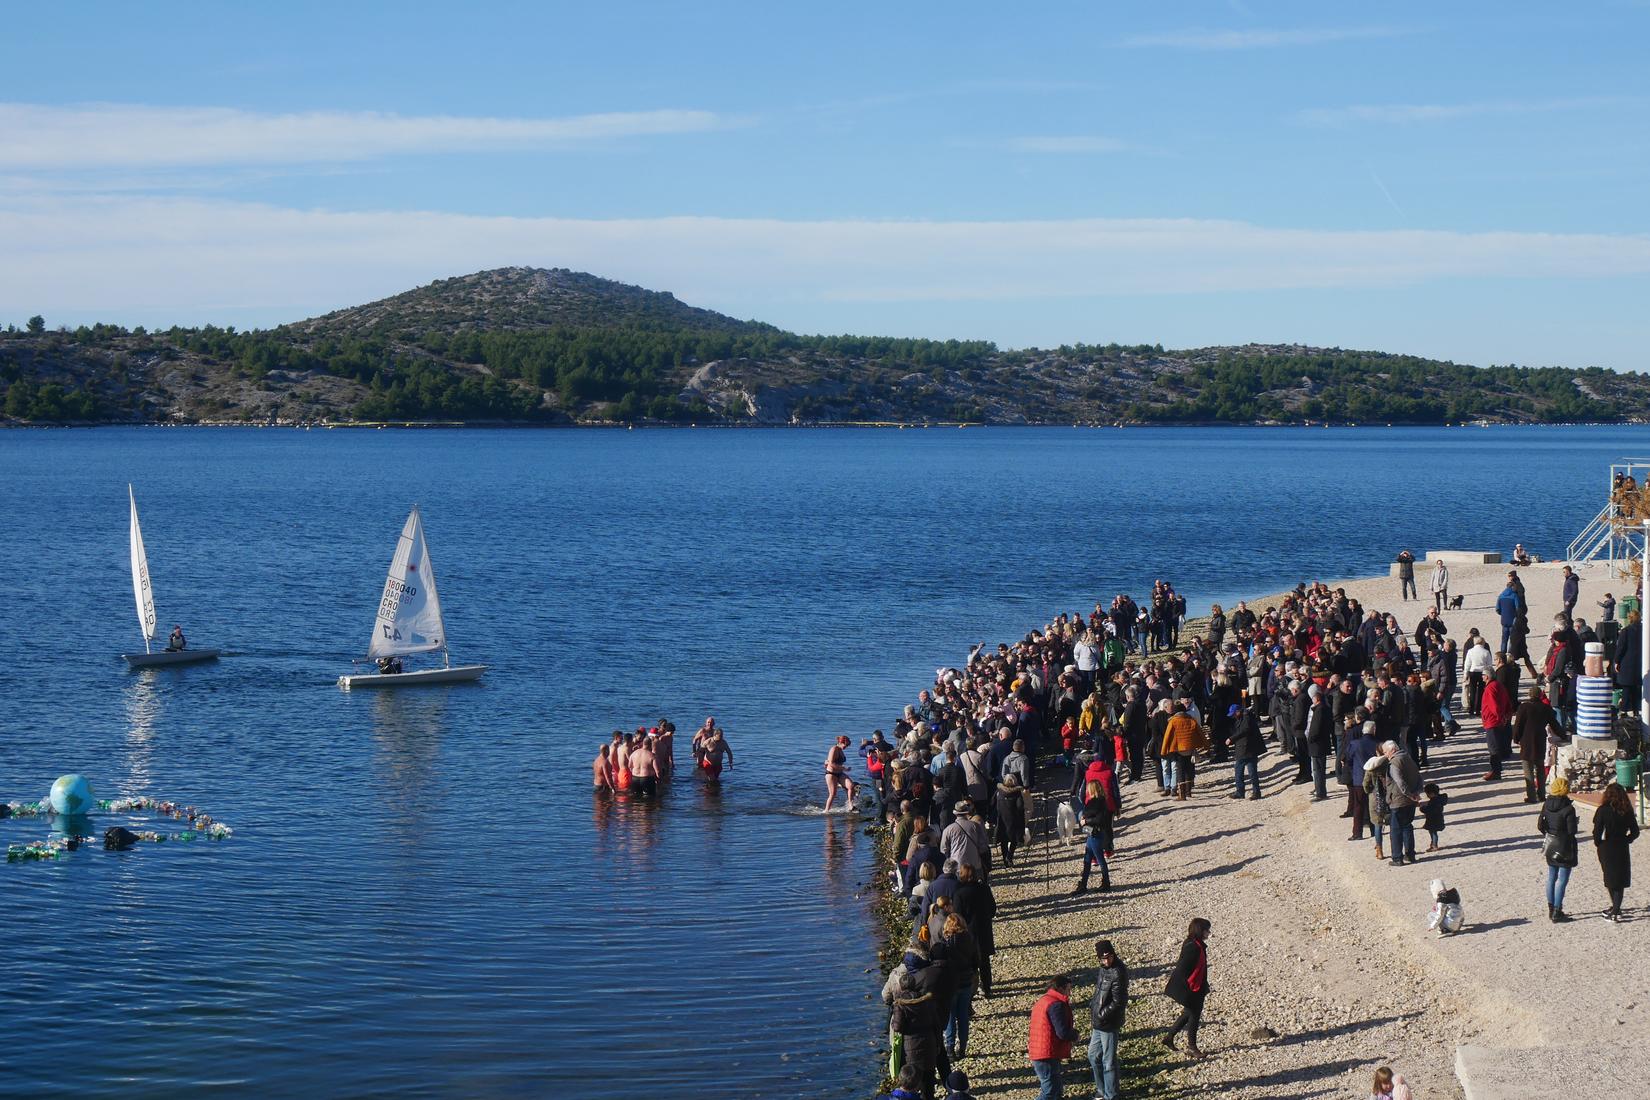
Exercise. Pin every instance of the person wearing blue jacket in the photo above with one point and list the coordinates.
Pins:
(1506, 606)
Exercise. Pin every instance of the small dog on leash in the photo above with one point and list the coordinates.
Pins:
(1455, 602)
(1447, 915)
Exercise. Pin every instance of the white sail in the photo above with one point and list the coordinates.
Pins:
(140, 577)
(409, 614)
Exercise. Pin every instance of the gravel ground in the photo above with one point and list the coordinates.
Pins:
(1321, 968)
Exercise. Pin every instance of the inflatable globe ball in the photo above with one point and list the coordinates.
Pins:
(71, 796)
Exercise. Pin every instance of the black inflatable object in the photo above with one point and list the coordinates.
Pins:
(119, 839)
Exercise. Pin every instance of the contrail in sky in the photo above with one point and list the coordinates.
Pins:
(1388, 194)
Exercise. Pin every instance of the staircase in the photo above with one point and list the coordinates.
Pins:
(1608, 537)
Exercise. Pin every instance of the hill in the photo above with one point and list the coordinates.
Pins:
(559, 347)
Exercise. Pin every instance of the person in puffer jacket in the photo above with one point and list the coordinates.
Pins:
(1447, 914)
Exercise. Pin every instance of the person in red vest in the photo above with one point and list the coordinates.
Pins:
(1051, 1035)
(1189, 986)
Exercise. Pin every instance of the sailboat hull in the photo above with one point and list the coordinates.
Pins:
(176, 657)
(455, 675)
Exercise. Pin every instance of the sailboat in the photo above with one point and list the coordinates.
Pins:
(409, 619)
(150, 657)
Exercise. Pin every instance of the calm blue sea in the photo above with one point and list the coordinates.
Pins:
(422, 896)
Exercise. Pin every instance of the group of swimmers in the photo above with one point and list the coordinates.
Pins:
(634, 763)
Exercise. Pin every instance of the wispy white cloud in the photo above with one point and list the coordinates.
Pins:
(1257, 39)
(34, 136)
(1069, 143)
(1409, 113)
(135, 258)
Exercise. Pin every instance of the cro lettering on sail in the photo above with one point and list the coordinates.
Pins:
(394, 592)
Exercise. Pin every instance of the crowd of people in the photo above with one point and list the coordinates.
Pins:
(635, 764)
(1055, 730)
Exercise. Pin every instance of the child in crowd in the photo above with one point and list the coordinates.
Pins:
(1432, 813)
(957, 1086)
(906, 1086)
(1390, 1086)
(1447, 914)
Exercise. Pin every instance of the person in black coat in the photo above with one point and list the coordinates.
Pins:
(1247, 745)
(1300, 708)
(1615, 826)
(1188, 986)
(975, 903)
(921, 1004)
(1627, 664)
(1320, 741)
(1135, 733)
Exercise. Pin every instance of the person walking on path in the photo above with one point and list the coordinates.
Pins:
(1099, 805)
(1615, 826)
(1011, 818)
(1558, 824)
(1406, 576)
(1111, 1000)
(1535, 729)
(1403, 794)
(1183, 738)
(1050, 1036)
(1440, 586)
(1572, 593)
(1189, 986)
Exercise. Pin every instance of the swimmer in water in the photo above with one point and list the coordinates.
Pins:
(836, 773)
(644, 770)
(664, 747)
(712, 750)
(601, 771)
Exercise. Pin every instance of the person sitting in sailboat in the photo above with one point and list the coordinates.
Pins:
(389, 666)
(177, 641)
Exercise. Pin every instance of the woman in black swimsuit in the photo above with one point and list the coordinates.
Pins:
(836, 773)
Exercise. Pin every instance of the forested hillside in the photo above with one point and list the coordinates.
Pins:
(556, 347)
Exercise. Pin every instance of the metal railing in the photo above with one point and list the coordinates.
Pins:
(1597, 535)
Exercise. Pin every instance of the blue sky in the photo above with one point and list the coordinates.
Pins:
(1465, 180)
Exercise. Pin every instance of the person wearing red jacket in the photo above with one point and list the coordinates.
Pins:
(1496, 710)
(1051, 1035)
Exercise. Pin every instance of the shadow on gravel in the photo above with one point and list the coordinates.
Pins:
(1207, 872)
(1151, 849)
(1319, 1034)
(1490, 844)
(1304, 1075)
(1492, 926)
